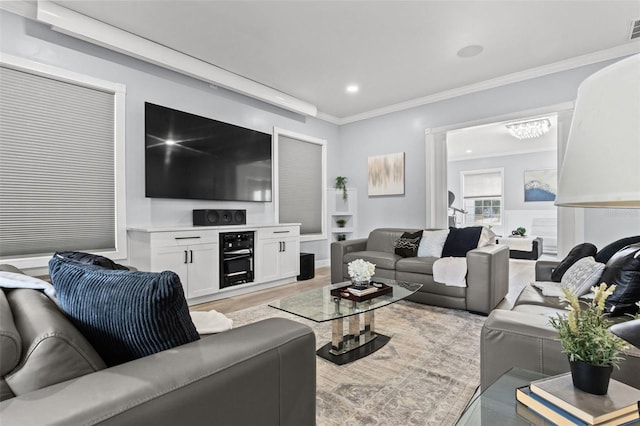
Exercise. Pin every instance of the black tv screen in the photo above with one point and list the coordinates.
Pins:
(188, 156)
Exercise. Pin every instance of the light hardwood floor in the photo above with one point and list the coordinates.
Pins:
(521, 272)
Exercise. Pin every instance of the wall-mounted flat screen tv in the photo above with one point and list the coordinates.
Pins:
(193, 157)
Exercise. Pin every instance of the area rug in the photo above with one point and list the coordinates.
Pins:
(425, 375)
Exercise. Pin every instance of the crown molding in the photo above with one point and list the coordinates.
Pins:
(626, 49)
(80, 26)
(25, 8)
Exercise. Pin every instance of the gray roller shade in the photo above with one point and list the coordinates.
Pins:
(57, 172)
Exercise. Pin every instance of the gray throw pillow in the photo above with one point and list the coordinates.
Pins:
(582, 275)
(125, 315)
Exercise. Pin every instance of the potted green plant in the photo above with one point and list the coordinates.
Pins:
(341, 223)
(584, 334)
(520, 231)
(341, 183)
(342, 237)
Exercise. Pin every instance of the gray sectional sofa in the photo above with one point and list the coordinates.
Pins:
(522, 337)
(262, 373)
(487, 271)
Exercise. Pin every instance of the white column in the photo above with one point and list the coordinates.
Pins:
(436, 185)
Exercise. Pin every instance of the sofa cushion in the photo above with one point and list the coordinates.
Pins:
(383, 239)
(575, 254)
(53, 350)
(432, 243)
(91, 259)
(418, 265)
(532, 296)
(582, 275)
(407, 244)
(461, 240)
(124, 314)
(623, 270)
(381, 259)
(605, 253)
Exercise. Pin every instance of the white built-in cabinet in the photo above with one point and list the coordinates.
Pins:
(193, 253)
(278, 253)
(347, 210)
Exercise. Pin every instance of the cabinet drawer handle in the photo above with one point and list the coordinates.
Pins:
(281, 232)
(284, 246)
(186, 256)
(187, 238)
(191, 254)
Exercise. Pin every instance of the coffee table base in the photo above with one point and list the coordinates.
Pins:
(354, 354)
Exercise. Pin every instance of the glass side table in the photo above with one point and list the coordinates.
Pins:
(496, 405)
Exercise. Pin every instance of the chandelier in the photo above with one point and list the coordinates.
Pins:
(529, 129)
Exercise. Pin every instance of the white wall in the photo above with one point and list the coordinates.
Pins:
(144, 82)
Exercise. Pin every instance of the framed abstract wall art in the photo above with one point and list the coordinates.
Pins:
(386, 174)
(540, 185)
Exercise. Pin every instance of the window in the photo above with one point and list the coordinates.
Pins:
(301, 182)
(61, 171)
(482, 195)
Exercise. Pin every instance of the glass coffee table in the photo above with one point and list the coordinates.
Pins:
(497, 404)
(358, 341)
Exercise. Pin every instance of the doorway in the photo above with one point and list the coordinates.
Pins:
(517, 213)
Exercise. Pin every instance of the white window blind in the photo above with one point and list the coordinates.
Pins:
(57, 178)
(482, 184)
(300, 184)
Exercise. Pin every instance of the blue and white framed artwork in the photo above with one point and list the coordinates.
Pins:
(540, 185)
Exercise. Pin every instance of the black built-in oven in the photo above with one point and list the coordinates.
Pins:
(236, 258)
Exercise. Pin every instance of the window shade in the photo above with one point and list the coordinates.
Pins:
(483, 184)
(57, 177)
(300, 184)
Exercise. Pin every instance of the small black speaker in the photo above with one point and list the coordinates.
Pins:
(219, 217)
(307, 266)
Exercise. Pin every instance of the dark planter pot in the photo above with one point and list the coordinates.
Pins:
(591, 378)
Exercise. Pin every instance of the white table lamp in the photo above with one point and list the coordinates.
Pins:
(601, 166)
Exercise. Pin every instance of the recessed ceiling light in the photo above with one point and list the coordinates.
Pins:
(470, 51)
(170, 142)
(352, 88)
(468, 151)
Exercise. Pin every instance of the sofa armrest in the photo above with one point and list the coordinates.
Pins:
(338, 250)
(518, 339)
(544, 268)
(487, 277)
(262, 373)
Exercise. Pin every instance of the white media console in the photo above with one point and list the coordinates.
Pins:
(194, 254)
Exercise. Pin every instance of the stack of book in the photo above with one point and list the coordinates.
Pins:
(361, 290)
(555, 400)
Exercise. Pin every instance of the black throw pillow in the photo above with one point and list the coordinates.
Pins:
(461, 240)
(607, 251)
(407, 245)
(623, 270)
(91, 259)
(125, 315)
(576, 253)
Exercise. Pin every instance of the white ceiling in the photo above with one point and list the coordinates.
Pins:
(397, 52)
(494, 139)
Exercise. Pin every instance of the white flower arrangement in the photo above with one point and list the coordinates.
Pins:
(361, 270)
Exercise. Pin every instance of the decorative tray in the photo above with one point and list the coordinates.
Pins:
(343, 293)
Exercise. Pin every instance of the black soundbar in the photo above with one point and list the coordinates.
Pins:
(219, 217)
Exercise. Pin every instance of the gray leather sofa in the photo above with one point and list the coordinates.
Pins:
(487, 271)
(263, 373)
(522, 337)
